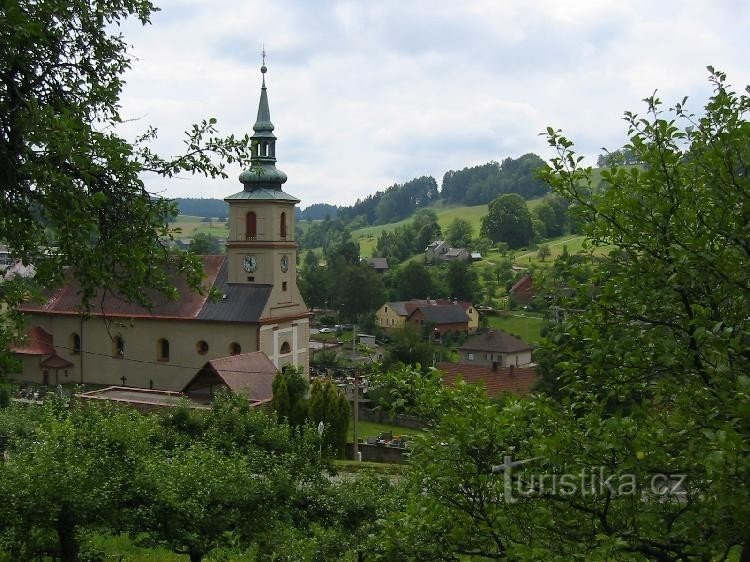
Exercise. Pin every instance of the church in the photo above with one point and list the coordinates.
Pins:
(259, 307)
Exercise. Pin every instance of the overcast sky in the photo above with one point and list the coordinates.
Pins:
(367, 94)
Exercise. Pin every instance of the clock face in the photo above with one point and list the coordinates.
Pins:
(284, 263)
(250, 264)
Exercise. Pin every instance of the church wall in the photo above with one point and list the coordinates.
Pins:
(140, 363)
(295, 334)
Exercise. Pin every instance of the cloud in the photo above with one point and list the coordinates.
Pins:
(366, 94)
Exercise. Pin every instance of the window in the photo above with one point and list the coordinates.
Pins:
(201, 347)
(471, 356)
(251, 226)
(235, 348)
(162, 350)
(285, 348)
(118, 347)
(282, 225)
(283, 285)
(75, 344)
(386, 309)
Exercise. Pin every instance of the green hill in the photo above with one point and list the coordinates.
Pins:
(368, 236)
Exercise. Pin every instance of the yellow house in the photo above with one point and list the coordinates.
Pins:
(260, 307)
(393, 315)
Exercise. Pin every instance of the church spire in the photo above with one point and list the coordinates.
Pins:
(263, 172)
(263, 125)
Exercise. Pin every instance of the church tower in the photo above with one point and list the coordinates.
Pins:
(261, 249)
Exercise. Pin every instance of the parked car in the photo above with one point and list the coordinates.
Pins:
(326, 331)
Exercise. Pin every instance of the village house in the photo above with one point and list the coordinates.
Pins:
(495, 348)
(394, 314)
(441, 318)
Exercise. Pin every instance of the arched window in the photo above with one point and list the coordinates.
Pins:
(282, 225)
(118, 347)
(162, 349)
(201, 347)
(75, 343)
(285, 348)
(251, 226)
(235, 348)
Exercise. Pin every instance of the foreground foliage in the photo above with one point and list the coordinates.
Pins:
(73, 193)
(646, 455)
(232, 479)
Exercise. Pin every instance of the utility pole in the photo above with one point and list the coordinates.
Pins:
(355, 446)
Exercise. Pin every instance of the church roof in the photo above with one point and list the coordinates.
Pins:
(244, 302)
(263, 194)
(238, 302)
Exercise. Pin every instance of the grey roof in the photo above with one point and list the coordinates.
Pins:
(444, 313)
(379, 263)
(497, 341)
(239, 302)
(263, 194)
(454, 252)
(398, 306)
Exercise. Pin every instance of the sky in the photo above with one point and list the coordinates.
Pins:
(367, 94)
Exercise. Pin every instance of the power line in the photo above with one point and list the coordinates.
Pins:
(147, 362)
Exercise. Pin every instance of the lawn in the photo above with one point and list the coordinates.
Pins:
(525, 325)
(371, 429)
(189, 226)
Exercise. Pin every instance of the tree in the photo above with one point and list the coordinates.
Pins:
(69, 181)
(329, 405)
(204, 244)
(651, 366)
(508, 220)
(412, 281)
(463, 283)
(459, 233)
(69, 469)
(358, 289)
(231, 501)
(543, 252)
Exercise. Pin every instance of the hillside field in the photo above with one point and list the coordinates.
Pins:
(368, 236)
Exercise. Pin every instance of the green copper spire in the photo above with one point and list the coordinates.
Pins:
(263, 127)
(263, 172)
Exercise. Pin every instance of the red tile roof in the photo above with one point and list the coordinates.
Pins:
(250, 374)
(505, 380)
(67, 300)
(38, 342)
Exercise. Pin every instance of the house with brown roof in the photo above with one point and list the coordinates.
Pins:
(248, 374)
(442, 318)
(497, 348)
(259, 309)
(394, 314)
(523, 290)
(496, 380)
